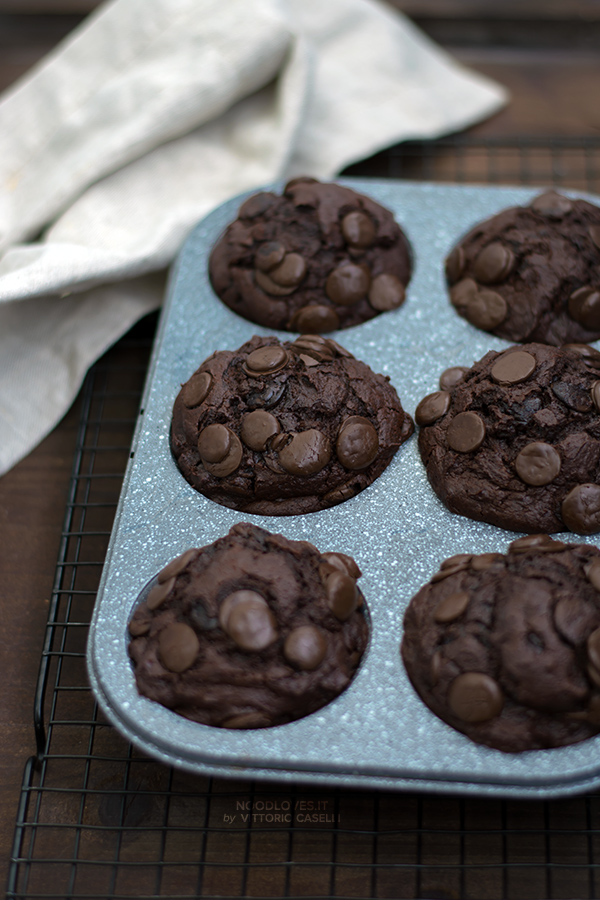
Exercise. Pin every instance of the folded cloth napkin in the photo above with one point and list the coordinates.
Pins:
(151, 113)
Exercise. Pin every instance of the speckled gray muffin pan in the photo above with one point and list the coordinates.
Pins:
(378, 733)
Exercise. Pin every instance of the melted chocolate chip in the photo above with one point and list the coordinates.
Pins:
(305, 647)
(269, 255)
(572, 396)
(290, 272)
(432, 407)
(159, 593)
(513, 367)
(455, 265)
(475, 697)
(466, 432)
(580, 510)
(386, 292)
(316, 318)
(485, 561)
(342, 595)
(176, 565)
(196, 389)
(266, 360)
(247, 619)
(306, 453)
(358, 229)
(256, 205)
(584, 307)
(220, 450)
(264, 281)
(494, 263)
(348, 284)
(343, 563)
(178, 646)
(595, 395)
(357, 443)
(552, 205)
(538, 463)
(257, 428)
(538, 542)
(452, 607)
(267, 398)
(452, 376)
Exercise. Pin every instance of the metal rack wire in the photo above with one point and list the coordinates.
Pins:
(97, 819)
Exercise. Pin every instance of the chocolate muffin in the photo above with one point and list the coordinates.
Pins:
(506, 647)
(285, 428)
(515, 439)
(318, 258)
(250, 631)
(532, 273)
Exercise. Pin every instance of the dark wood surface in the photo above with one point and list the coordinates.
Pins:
(553, 76)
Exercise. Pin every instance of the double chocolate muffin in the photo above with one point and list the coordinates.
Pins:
(532, 273)
(515, 439)
(318, 258)
(250, 631)
(506, 647)
(285, 428)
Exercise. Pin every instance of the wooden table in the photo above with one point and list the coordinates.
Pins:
(546, 53)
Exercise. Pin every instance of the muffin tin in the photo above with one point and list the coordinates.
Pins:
(378, 733)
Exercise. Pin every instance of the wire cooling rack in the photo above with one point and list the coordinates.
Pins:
(97, 819)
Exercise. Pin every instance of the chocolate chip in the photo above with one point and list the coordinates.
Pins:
(455, 264)
(538, 463)
(452, 376)
(247, 720)
(451, 567)
(572, 396)
(256, 205)
(451, 607)
(432, 407)
(462, 559)
(159, 593)
(342, 595)
(290, 272)
(584, 307)
(590, 355)
(541, 543)
(580, 510)
(475, 697)
(306, 453)
(386, 292)
(592, 572)
(494, 263)
(552, 205)
(266, 360)
(315, 318)
(220, 450)
(483, 308)
(595, 395)
(513, 367)
(343, 563)
(348, 284)
(314, 345)
(176, 565)
(267, 398)
(245, 616)
(466, 432)
(269, 255)
(358, 229)
(140, 622)
(305, 647)
(196, 389)
(178, 646)
(357, 443)
(594, 231)
(485, 561)
(264, 281)
(257, 428)
(593, 648)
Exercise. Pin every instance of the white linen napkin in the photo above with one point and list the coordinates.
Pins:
(153, 112)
